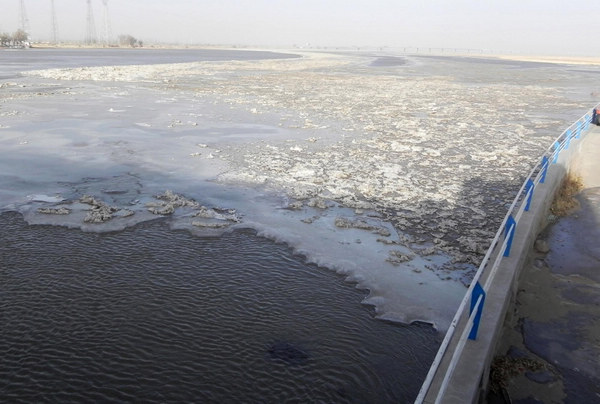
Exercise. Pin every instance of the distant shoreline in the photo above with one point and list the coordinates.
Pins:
(68, 45)
(573, 60)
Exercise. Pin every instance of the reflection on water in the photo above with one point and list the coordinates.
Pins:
(153, 315)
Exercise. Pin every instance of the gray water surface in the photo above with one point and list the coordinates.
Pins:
(154, 315)
(14, 61)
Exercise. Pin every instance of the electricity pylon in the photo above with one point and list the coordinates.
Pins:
(90, 32)
(106, 31)
(23, 20)
(54, 34)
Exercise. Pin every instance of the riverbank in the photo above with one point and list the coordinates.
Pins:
(571, 60)
(551, 345)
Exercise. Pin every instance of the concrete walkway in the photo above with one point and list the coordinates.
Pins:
(556, 319)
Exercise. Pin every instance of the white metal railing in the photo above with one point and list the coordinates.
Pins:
(476, 292)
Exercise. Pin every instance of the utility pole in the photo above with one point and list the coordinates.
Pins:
(54, 36)
(90, 33)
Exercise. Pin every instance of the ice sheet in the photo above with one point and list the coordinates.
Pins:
(395, 178)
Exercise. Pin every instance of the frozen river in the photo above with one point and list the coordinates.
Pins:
(392, 171)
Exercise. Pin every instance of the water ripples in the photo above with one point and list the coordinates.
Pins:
(153, 315)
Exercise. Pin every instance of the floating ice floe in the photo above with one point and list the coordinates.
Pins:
(99, 212)
(45, 198)
(54, 211)
(168, 202)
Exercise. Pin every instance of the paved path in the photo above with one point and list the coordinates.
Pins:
(557, 315)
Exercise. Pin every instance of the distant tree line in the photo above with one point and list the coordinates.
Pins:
(128, 40)
(19, 38)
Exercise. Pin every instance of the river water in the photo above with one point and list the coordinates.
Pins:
(151, 314)
(17, 61)
(154, 315)
(321, 207)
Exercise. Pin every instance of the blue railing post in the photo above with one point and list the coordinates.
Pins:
(511, 225)
(587, 122)
(556, 152)
(477, 291)
(530, 187)
(568, 139)
(544, 169)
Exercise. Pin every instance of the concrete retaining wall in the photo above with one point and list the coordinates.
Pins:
(469, 380)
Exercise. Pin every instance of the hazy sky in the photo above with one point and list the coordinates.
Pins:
(525, 26)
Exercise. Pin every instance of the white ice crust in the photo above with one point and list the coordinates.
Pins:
(378, 175)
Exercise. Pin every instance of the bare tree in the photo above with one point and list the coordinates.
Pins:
(5, 39)
(20, 37)
(128, 40)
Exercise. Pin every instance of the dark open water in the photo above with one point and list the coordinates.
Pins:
(14, 61)
(154, 315)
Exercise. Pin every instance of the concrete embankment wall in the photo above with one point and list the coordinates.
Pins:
(464, 379)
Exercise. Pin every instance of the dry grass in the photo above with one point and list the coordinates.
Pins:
(505, 368)
(564, 201)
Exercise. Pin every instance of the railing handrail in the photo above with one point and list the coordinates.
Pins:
(548, 157)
